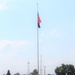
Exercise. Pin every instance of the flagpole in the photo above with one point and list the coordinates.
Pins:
(41, 65)
(37, 42)
(28, 67)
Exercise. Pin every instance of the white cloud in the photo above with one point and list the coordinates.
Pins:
(55, 32)
(4, 4)
(13, 44)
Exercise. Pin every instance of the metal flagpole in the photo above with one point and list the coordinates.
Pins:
(37, 42)
(28, 67)
(44, 70)
(41, 65)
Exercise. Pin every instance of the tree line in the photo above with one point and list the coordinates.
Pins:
(64, 69)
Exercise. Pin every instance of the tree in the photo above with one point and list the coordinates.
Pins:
(8, 72)
(35, 72)
(48, 74)
(65, 69)
(17, 74)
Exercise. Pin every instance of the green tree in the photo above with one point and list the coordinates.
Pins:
(17, 74)
(48, 74)
(35, 72)
(65, 69)
(70, 70)
(58, 70)
(8, 72)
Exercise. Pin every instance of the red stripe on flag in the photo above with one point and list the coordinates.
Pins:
(39, 21)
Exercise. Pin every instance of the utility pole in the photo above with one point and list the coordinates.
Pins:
(41, 65)
(44, 70)
(28, 68)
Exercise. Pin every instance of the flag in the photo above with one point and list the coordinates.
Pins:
(39, 21)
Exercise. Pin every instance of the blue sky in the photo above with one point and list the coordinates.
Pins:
(18, 34)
